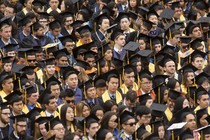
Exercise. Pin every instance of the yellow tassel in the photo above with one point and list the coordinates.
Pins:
(127, 58)
(138, 80)
(85, 92)
(172, 136)
(84, 127)
(19, 84)
(159, 95)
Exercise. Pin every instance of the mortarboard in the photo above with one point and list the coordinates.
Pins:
(145, 74)
(185, 39)
(5, 76)
(201, 5)
(82, 64)
(86, 12)
(28, 70)
(116, 32)
(44, 15)
(13, 97)
(79, 50)
(143, 11)
(180, 23)
(194, 44)
(37, 49)
(99, 82)
(45, 97)
(167, 14)
(117, 63)
(131, 36)
(144, 37)
(33, 113)
(156, 40)
(99, 18)
(170, 29)
(5, 21)
(141, 131)
(58, 54)
(7, 59)
(133, 15)
(131, 47)
(203, 131)
(66, 14)
(173, 94)
(197, 53)
(19, 118)
(54, 122)
(167, 49)
(76, 24)
(68, 71)
(122, 15)
(190, 26)
(35, 26)
(200, 113)
(69, 38)
(186, 134)
(10, 47)
(54, 24)
(112, 28)
(39, 3)
(200, 91)
(158, 79)
(108, 74)
(158, 110)
(42, 120)
(135, 58)
(50, 61)
(175, 5)
(31, 89)
(25, 20)
(199, 79)
(175, 129)
(89, 53)
(108, 10)
(104, 48)
(83, 29)
(145, 54)
(148, 24)
(101, 133)
(4, 105)
(125, 116)
(154, 125)
(144, 97)
(166, 59)
(188, 68)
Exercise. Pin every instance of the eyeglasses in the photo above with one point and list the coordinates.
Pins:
(147, 116)
(70, 101)
(34, 60)
(59, 129)
(131, 124)
(21, 125)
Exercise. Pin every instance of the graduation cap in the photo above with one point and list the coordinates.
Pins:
(122, 15)
(4, 105)
(112, 28)
(144, 37)
(167, 14)
(167, 49)
(154, 125)
(131, 47)
(175, 129)
(135, 58)
(200, 113)
(110, 73)
(35, 26)
(105, 47)
(204, 131)
(86, 12)
(158, 110)
(199, 79)
(133, 15)
(86, 86)
(58, 54)
(101, 133)
(33, 113)
(54, 122)
(66, 14)
(156, 40)
(68, 38)
(79, 50)
(7, 59)
(145, 74)
(175, 5)
(190, 26)
(116, 32)
(158, 79)
(144, 97)
(201, 5)
(39, 3)
(10, 47)
(45, 97)
(148, 24)
(200, 91)
(25, 20)
(188, 68)
(185, 39)
(28, 70)
(125, 116)
(166, 59)
(82, 64)
(99, 18)
(19, 118)
(84, 29)
(50, 61)
(37, 49)
(44, 15)
(170, 29)
(131, 36)
(5, 76)
(68, 71)
(13, 97)
(117, 63)
(54, 24)
(194, 44)
(5, 21)
(76, 24)
(108, 10)
(42, 120)
(141, 131)
(197, 53)
(31, 89)
(143, 11)
(173, 94)
(186, 134)
(145, 54)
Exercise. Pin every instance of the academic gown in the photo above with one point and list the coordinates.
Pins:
(31, 41)
(96, 102)
(11, 41)
(120, 56)
(26, 137)
(4, 132)
(64, 32)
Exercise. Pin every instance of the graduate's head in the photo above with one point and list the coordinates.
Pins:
(202, 97)
(143, 114)
(5, 113)
(129, 76)
(130, 99)
(54, 4)
(37, 29)
(128, 122)
(20, 125)
(85, 34)
(7, 83)
(112, 83)
(55, 28)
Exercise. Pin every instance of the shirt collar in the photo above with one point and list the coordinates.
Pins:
(48, 114)
(15, 134)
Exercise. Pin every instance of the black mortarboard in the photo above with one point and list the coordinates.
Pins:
(101, 133)
(175, 5)
(181, 114)
(116, 32)
(52, 79)
(145, 54)
(99, 82)
(145, 74)
(108, 10)
(143, 11)
(25, 20)
(167, 14)
(31, 89)
(131, 46)
(200, 113)
(170, 28)
(19, 118)
(144, 37)
(131, 36)
(200, 91)
(54, 122)
(5, 21)
(173, 94)
(117, 63)
(28, 70)
(76, 24)
(104, 48)
(185, 39)
(35, 26)
(37, 49)
(54, 24)
(141, 131)
(158, 79)
(108, 74)
(158, 110)
(42, 120)
(203, 131)
(156, 40)
(68, 71)
(133, 15)
(44, 15)
(13, 97)
(190, 26)
(122, 15)
(168, 50)
(5, 76)
(86, 12)
(83, 29)
(199, 79)
(90, 53)
(197, 53)
(82, 64)
(39, 3)
(68, 38)
(58, 54)
(87, 85)
(188, 68)
(194, 44)
(33, 113)
(50, 61)
(7, 59)
(112, 27)
(10, 47)
(144, 97)
(125, 116)
(4, 105)
(148, 24)
(166, 59)
(135, 58)
(45, 97)
(186, 134)
(180, 23)
(154, 125)
(201, 5)
(66, 14)
(101, 17)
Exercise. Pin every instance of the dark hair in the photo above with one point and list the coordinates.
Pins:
(121, 108)
(178, 104)
(69, 136)
(69, 93)
(53, 83)
(108, 105)
(63, 111)
(131, 95)
(128, 70)
(172, 83)
(106, 118)
(175, 32)
(111, 76)
(142, 110)
(101, 20)
(96, 108)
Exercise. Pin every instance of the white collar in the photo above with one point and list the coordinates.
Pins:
(48, 114)
(117, 50)
(15, 134)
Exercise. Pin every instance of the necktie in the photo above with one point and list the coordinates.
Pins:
(125, 7)
(112, 97)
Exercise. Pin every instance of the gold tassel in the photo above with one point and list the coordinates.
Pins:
(159, 95)
(127, 58)
(138, 80)
(85, 92)
(19, 84)
(84, 127)
(98, 67)
(172, 136)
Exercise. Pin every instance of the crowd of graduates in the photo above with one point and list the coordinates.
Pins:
(104, 70)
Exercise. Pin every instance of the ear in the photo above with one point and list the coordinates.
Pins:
(107, 83)
(198, 101)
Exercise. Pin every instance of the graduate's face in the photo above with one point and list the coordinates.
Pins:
(108, 55)
(63, 61)
(28, 5)
(153, 19)
(68, 21)
(161, 132)
(9, 11)
(99, 114)
(129, 79)
(33, 98)
(8, 85)
(20, 128)
(52, 106)
(191, 123)
(54, 4)
(69, 114)
(91, 92)
(7, 67)
(113, 84)
(198, 63)
(43, 130)
(17, 107)
(133, 3)
(6, 32)
(72, 81)
(129, 126)
(190, 76)
(93, 129)
(138, 66)
(105, 24)
(59, 131)
(207, 137)
(55, 32)
(85, 111)
(113, 122)
(5, 114)
(178, 12)
(142, 45)
(69, 46)
(170, 67)
(120, 41)
(55, 90)
(124, 24)
(196, 33)
(50, 69)
(206, 85)
(100, 91)
(109, 136)
(203, 101)
(146, 84)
